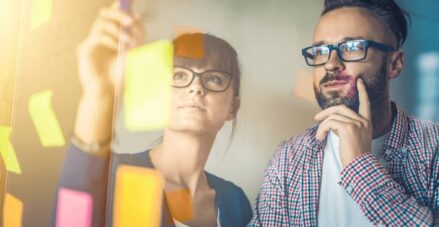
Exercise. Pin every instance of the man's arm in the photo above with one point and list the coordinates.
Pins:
(271, 208)
(384, 201)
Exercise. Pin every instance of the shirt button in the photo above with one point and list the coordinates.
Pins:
(388, 152)
(349, 189)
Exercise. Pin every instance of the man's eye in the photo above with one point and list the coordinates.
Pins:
(320, 51)
(353, 46)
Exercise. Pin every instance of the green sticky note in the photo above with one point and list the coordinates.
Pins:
(41, 12)
(7, 150)
(44, 119)
(147, 92)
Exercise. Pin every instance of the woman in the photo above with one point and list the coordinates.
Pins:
(205, 95)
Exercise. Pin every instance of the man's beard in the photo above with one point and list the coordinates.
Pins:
(376, 87)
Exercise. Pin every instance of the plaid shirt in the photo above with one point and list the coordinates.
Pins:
(406, 193)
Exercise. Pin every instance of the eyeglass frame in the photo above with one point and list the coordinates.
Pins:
(194, 75)
(368, 43)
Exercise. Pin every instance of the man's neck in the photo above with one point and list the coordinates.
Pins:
(382, 118)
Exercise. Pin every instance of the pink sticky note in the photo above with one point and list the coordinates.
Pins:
(74, 208)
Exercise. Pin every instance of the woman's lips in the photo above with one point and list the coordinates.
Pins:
(192, 107)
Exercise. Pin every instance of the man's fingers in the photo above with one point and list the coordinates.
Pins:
(364, 109)
(324, 127)
(340, 109)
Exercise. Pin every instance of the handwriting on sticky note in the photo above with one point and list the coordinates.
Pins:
(44, 119)
(13, 211)
(41, 12)
(74, 208)
(147, 92)
(7, 150)
(138, 197)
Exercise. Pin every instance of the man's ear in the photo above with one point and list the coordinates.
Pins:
(236, 103)
(397, 64)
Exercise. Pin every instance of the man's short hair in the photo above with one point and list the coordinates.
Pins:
(386, 11)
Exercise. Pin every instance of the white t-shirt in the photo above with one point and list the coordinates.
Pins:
(336, 207)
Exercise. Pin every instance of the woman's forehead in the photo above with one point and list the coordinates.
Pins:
(202, 64)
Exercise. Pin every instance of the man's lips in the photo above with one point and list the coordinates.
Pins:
(335, 84)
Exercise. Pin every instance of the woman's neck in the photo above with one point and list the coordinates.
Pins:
(181, 159)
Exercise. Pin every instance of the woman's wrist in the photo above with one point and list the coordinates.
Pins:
(94, 119)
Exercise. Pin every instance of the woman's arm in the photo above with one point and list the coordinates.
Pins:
(86, 164)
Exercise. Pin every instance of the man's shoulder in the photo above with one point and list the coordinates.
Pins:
(424, 132)
(297, 146)
(302, 139)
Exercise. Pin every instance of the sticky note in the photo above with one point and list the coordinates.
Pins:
(41, 12)
(147, 92)
(12, 211)
(44, 119)
(74, 208)
(138, 197)
(180, 204)
(189, 45)
(7, 150)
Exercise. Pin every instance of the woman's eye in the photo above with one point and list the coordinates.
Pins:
(215, 79)
(179, 76)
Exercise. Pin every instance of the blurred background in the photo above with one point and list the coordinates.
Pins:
(277, 97)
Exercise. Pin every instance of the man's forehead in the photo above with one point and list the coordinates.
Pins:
(348, 23)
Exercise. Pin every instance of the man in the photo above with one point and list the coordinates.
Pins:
(366, 162)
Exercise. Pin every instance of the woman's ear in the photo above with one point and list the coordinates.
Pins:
(397, 63)
(236, 104)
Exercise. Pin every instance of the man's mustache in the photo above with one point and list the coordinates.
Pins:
(334, 76)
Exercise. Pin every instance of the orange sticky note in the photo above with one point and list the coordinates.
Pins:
(7, 150)
(138, 197)
(44, 119)
(41, 12)
(190, 45)
(180, 204)
(147, 92)
(12, 211)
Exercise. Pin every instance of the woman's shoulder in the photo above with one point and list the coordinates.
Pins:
(221, 184)
(227, 191)
(232, 201)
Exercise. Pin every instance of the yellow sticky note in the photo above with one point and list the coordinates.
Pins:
(13, 211)
(138, 197)
(147, 92)
(7, 150)
(44, 119)
(41, 12)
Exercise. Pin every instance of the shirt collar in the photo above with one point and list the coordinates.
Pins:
(399, 130)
